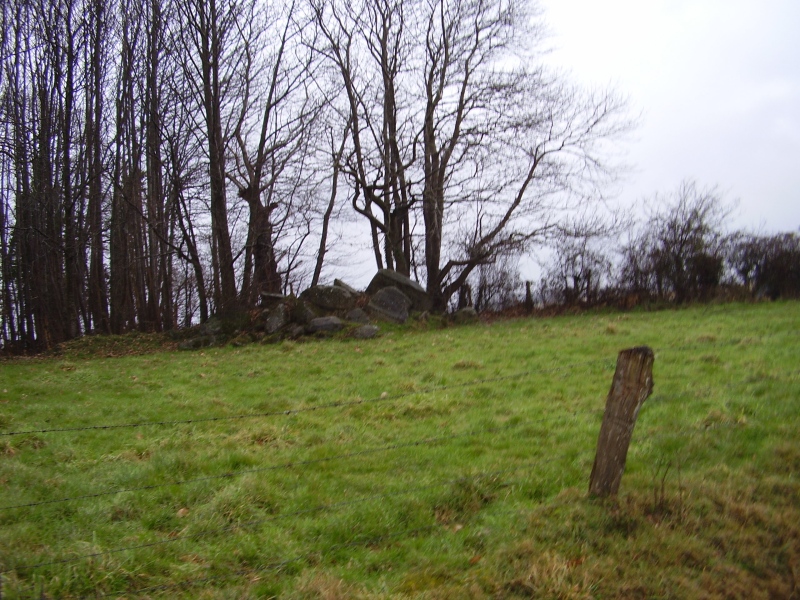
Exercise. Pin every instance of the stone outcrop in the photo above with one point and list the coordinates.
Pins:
(320, 311)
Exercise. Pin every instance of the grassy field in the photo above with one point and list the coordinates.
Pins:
(432, 462)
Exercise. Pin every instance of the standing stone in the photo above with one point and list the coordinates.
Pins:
(302, 312)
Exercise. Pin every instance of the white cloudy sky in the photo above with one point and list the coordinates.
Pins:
(717, 83)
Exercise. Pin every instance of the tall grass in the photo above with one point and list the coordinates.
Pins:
(431, 462)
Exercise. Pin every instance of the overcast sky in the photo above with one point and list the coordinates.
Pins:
(717, 83)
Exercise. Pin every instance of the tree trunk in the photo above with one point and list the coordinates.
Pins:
(97, 290)
(210, 56)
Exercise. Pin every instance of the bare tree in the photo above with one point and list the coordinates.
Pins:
(766, 265)
(367, 42)
(211, 51)
(679, 252)
(578, 272)
(450, 124)
(272, 141)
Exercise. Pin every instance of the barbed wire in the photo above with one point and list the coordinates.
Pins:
(289, 464)
(360, 401)
(337, 505)
(294, 411)
(293, 464)
(319, 508)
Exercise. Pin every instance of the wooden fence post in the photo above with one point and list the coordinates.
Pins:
(631, 386)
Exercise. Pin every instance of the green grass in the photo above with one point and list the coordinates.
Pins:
(453, 464)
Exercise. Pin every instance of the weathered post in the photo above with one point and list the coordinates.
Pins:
(631, 386)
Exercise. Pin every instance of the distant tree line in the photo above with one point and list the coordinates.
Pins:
(680, 253)
(165, 160)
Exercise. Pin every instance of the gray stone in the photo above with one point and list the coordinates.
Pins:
(302, 312)
(295, 332)
(269, 300)
(243, 339)
(365, 332)
(357, 315)
(391, 304)
(329, 297)
(465, 315)
(327, 324)
(384, 278)
(196, 343)
(276, 319)
(211, 327)
(344, 286)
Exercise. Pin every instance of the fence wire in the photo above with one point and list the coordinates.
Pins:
(334, 506)
(287, 465)
(294, 411)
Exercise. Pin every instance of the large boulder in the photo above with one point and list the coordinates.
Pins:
(384, 278)
(390, 304)
(332, 298)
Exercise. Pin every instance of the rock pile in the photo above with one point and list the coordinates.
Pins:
(322, 310)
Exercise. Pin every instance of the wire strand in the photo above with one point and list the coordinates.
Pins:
(294, 411)
(286, 465)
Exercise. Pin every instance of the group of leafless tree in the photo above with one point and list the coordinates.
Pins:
(166, 160)
(681, 252)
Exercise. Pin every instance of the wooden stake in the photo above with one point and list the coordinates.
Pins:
(631, 386)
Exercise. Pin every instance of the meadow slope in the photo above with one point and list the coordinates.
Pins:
(432, 462)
